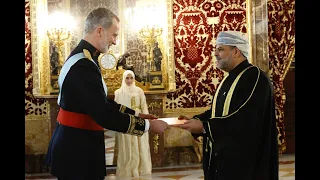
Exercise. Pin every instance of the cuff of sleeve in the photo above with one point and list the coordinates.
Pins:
(147, 126)
(136, 113)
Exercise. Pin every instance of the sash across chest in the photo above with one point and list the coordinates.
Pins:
(73, 119)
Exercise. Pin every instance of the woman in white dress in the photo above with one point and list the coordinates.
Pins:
(133, 157)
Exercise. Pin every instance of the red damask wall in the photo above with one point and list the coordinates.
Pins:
(197, 23)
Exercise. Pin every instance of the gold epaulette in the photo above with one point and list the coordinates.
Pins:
(87, 54)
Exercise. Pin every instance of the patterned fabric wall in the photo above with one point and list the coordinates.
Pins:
(197, 23)
(33, 106)
(281, 29)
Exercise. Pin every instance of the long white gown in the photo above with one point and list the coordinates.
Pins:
(133, 156)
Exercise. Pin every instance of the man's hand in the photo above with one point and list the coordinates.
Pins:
(158, 126)
(147, 116)
(192, 125)
(182, 117)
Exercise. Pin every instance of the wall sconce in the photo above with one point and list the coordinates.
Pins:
(58, 31)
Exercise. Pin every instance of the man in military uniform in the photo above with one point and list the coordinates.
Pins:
(239, 131)
(77, 149)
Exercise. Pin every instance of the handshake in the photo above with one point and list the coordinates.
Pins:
(159, 126)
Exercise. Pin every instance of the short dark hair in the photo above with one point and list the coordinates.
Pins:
(100, 16)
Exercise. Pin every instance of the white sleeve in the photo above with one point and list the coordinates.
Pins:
(147, 126)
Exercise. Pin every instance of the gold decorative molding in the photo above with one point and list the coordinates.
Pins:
(154, 105)
(113, 79)
(37, 111)
(257, 27)
(155, 143)
(170, 49)
(40, 48)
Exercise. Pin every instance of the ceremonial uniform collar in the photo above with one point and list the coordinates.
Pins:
(93, 51)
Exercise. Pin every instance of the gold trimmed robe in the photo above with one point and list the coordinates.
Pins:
(240, 139)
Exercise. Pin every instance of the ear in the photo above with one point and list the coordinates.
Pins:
(99, 31)
(237, 52)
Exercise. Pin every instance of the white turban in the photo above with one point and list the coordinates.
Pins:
(234, 38)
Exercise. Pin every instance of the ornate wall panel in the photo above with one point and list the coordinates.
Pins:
(196, 24)
(37, 126)
(34, 107)
(37, 121)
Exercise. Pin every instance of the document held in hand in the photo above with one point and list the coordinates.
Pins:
(172, 120)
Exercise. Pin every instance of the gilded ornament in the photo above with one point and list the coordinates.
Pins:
(155, 143)
(154, 105)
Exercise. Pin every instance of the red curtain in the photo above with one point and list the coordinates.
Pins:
(281, 42)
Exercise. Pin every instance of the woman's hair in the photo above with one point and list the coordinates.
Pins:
(99, 17)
